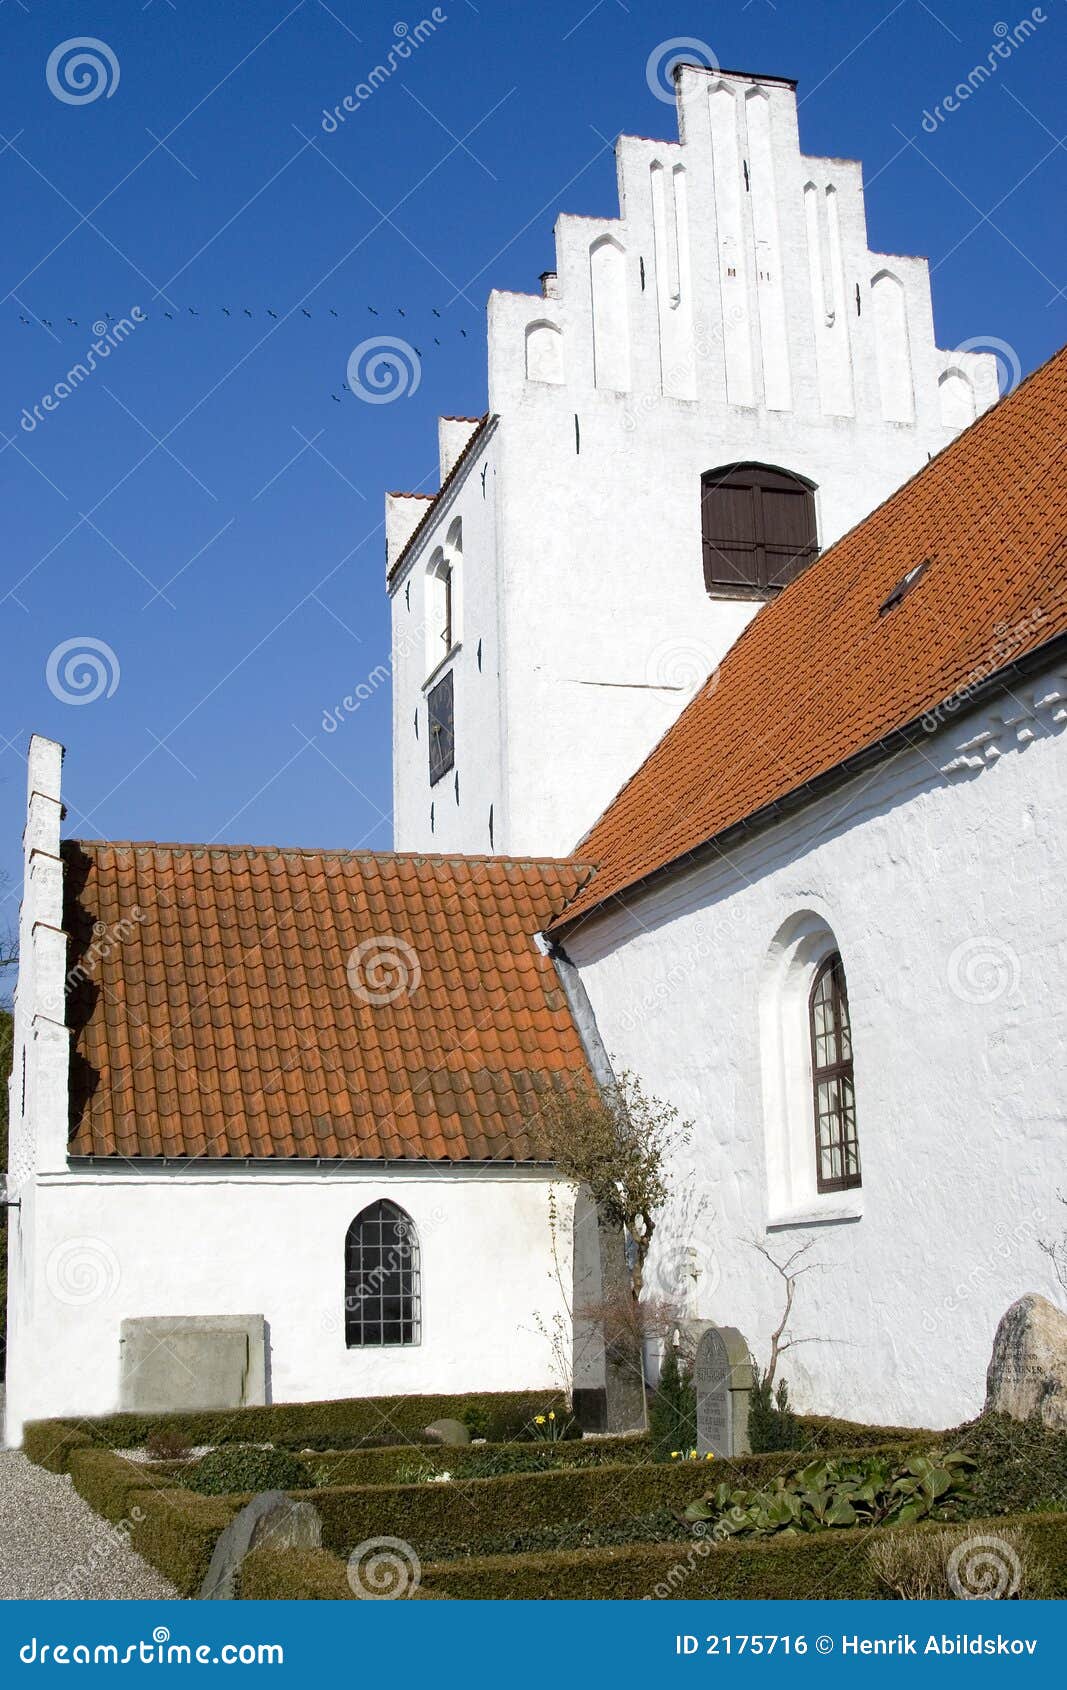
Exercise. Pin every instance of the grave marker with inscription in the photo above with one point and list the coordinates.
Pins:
(723, 1378)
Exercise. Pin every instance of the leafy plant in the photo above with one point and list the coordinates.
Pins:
(616, 1140)
(673, 1412)
(824, 1494)
(226, 1472)
(771, 1422)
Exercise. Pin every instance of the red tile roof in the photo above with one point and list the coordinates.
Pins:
(820, 675)
(241, 1002)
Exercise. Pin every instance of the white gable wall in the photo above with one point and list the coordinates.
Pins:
(733, 311)
(944, 894)
(112, 1245)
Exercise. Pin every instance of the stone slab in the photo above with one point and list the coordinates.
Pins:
(176, 1363)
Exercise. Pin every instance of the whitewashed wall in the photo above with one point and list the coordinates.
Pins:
(944, 893)
(110, 1246)
(454, 813)
(733, 311)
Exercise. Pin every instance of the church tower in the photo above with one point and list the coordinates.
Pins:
(708, 389)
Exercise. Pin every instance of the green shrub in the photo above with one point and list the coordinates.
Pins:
(293, 1575)
(822, 1431)
(672, 1415)
(353, 1423)
(229, 1472)
(508, 1507)
(177, 1532)
(410, 1465)
(771, 1422)
(108, 1483)
(866, 1490)
(1019, 1464)
(825, 1565)
(50, 1443)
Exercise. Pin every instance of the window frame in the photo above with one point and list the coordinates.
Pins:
(357, 1297)
(441, 734)
(840, 1072)
(755, 479)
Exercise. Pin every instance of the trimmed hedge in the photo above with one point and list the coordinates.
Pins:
(50, 1443)
(374, 1422)
(293, 1575)
(823, 1433)
(384, 1466)
(177, 1531)
(830, 1565)
(511, 1508)
(108, 1483)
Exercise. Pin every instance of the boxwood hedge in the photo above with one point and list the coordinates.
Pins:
(373, 1422)
(453, 1516)
(831, 1565)
(394, 1466)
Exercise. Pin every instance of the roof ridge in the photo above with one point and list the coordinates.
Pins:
(325, 851)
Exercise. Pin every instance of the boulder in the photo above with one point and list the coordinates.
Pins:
(270, 1521)
(448, 1432)
(1027, 1376)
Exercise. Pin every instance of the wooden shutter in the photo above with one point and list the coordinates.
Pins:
(442, 735)
(758, 528)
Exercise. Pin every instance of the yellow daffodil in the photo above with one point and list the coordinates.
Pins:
(709, 1456)
(675, 1453)
(551, 1415)
(539, 1419)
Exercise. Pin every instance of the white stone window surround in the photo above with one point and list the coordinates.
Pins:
(799, 948)
(443, 600)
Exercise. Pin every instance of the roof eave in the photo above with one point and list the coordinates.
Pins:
(899, 739)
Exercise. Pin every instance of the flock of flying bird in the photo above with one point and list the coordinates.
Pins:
(246, 311)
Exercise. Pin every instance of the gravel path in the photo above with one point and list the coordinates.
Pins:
(52, 1545)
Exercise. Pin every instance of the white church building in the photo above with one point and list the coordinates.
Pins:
(730, 680)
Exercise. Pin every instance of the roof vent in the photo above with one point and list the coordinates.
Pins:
(904, 585)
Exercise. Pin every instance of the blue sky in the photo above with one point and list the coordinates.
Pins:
(201, 504)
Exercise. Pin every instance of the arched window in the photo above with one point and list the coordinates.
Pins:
(758, 528)
(382, 1292)
(443, 589)
(837, 1154)
(438, 610)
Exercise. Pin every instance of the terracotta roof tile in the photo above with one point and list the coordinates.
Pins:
(824, 672)
(219, 1017)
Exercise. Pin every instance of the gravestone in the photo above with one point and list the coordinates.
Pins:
(723, 1378)
(187, 1362)
(271, 1520)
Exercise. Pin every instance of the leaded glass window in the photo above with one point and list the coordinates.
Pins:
(837, 1153)
(382, 1291)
